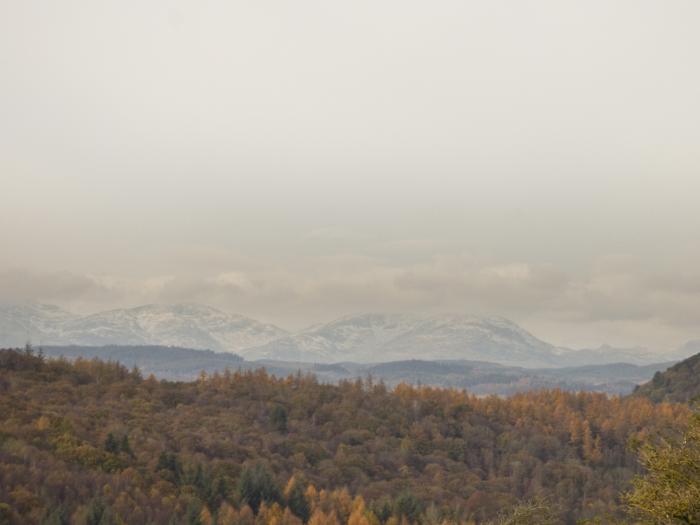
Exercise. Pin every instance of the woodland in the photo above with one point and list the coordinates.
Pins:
(89, 442)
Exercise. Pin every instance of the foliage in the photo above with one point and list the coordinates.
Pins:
(278, 417)
(295, 495)
(669, 492)
(407, 506)
(111, 444)
(210, 451)
(256, 485)
(534, 512)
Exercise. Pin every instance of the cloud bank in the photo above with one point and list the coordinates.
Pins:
(616, 301)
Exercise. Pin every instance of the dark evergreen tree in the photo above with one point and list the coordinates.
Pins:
(382, 509)
(170, 463)
(199, 480)
(99, 514)
(296, 500)
(125, 446)
(216, 492)
(56, 516)
(278, 417)
(192, 515)
(256, 485)
(111, 444)
(408, 506)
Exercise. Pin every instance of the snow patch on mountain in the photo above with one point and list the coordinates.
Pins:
(364, 338)
(387, 337)
(183, 325)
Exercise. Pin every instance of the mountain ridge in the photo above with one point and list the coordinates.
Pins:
(390, 337)
(478, 377)
(185, 325)
(368, 337)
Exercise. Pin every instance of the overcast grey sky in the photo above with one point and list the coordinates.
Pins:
(295, 161)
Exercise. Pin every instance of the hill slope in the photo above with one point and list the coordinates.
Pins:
(680, 383)
(92, 438)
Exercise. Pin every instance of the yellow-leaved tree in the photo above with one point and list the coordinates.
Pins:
(669, 492)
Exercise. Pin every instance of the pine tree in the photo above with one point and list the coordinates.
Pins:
(56, 516)
(278, 417)
(296, 498)
(111, 444)
(406, 505)
(99, 514)
(125, 446)
(192, 516)
(256, 485)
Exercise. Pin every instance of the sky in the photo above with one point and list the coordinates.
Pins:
(299, 161)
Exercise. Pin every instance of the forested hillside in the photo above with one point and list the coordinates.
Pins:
(93, 443)
(680, 383)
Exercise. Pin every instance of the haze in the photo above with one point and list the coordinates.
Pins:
(296, 161)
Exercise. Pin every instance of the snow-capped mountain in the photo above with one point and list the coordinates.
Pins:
(366, 338)
(20, 323)
(184, 325)
(345, 339)
(382, 337)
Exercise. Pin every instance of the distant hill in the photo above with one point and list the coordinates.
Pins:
(476, 376)
(680, 383)
(484, 378)
(606, 354)
(162, 361)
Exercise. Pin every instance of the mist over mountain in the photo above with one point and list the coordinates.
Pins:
(607, 354)
(687, 350)
(364, 338)
(185, 325)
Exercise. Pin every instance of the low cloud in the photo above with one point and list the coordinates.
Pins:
(17, 285)
(616, 299)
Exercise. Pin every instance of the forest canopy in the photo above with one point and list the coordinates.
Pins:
(92, 442)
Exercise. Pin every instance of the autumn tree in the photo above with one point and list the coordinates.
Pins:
(669, 492)
(211, 447)
(534, 512)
